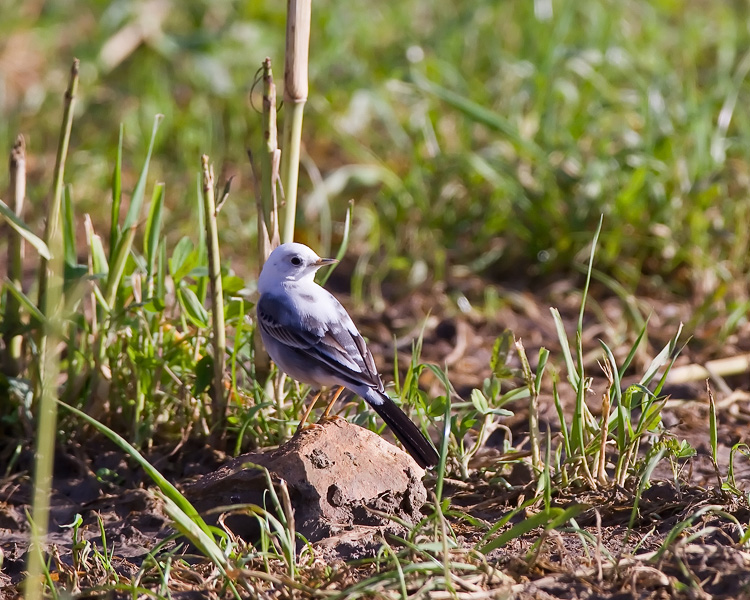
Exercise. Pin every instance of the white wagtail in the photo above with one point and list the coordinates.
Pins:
(312, 338)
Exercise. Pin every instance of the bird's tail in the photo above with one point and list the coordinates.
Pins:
(406, 431)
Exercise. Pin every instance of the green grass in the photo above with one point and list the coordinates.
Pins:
(482, 139)
(498, 146)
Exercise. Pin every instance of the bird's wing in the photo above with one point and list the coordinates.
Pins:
(333, 340)
(277, 319)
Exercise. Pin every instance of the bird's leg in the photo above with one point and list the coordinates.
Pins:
(308, 411)
(331, 403)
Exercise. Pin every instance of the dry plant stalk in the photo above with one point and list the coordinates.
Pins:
(268, 208)
(720, 367)
(218, 401)
(601, 471)
(299, 13)
(267, 200)
(534, 435)
(14, 340)
(91, 235)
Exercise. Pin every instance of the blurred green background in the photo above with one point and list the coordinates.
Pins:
(480, 135)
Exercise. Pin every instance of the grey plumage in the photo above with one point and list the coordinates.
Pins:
(311, 337)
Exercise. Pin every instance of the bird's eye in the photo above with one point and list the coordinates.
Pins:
(296, 261)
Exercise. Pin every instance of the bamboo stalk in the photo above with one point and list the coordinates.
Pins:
(12, 321)
(218, 401)
(295, 96)
(50, 302)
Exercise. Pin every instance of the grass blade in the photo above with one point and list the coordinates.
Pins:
(125, 239)
(567, 354)
(165, 486)
(24, 301)
(344, 243)
(549, 518)
(70, 256)
(53, 216)
(139, 193)
(201, 251)
(22, 229)
(152, 236)
(188, 527)
(114, 232)
(645, 478)
(588, 273)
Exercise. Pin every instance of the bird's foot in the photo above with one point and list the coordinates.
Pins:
(327, 418)
(307, 426)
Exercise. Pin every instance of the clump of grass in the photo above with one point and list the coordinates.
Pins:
(534, 140)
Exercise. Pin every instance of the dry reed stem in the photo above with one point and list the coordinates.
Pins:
(601, 471)
(12, 317)
(218, 399)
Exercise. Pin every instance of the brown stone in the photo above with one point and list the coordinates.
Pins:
(335, 473)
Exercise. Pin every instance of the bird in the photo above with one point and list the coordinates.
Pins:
(311, 337)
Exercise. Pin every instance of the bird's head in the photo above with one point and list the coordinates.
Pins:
(290, 262)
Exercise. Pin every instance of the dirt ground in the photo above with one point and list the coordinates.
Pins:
(97, 481)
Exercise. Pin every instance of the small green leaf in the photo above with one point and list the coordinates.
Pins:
(231, 284)
(117, 265)
(21, 229)
(236, 308)
(74, 272)
(25, 301)
(479, 402)
(161, 274)
(540, 519)
(69, 229)
(98, 256)
(199, 272)
(204, 373)
(183, 259)
(153, 228)
(501, 354)
(192, 306)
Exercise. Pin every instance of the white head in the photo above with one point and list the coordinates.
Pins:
(290, 262)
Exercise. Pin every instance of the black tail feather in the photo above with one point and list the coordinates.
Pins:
(407, 433)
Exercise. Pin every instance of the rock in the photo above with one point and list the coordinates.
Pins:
(335, 473)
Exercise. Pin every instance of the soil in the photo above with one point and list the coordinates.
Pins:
(599, 557)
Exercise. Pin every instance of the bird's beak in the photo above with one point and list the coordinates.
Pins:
(322, 262)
